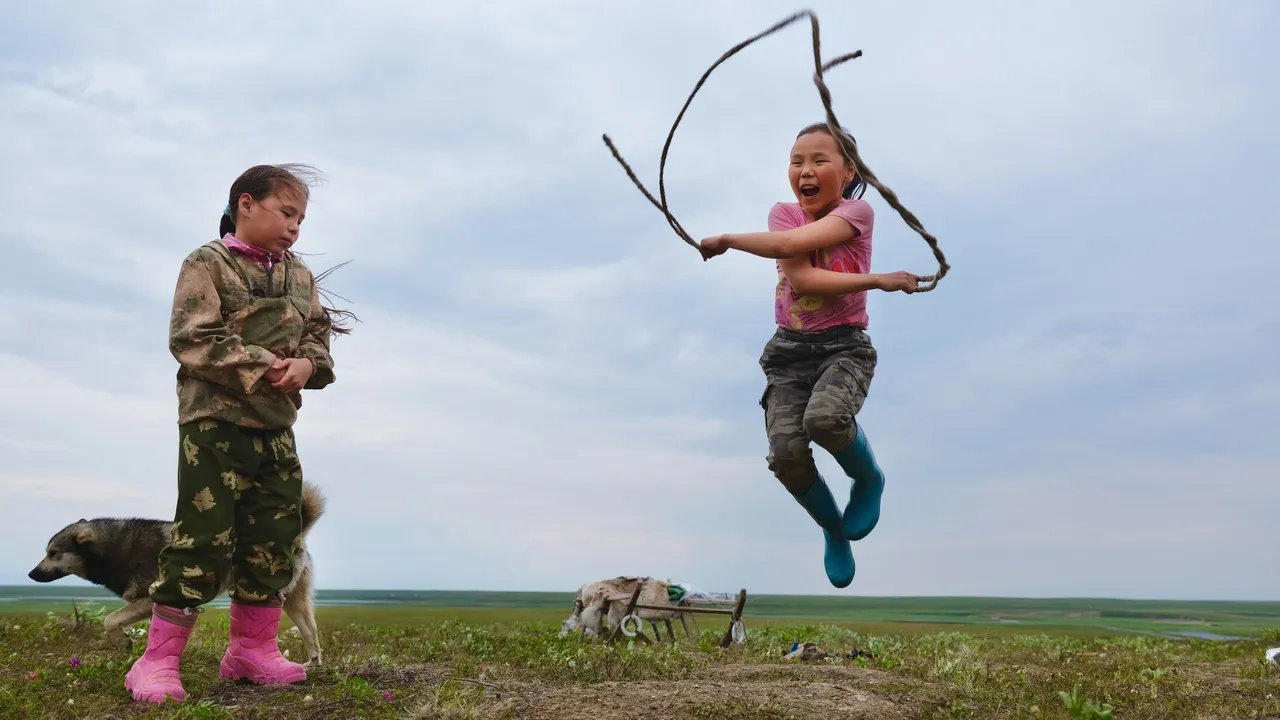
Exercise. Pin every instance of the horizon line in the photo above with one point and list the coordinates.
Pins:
(1077, 598)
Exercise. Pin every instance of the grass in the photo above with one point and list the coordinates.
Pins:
(421, 661)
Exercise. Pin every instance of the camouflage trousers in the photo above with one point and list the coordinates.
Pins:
(239, 502)
(815, 384)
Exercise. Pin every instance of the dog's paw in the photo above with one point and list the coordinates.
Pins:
(120, 641)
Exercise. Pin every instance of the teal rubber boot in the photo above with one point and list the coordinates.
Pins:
(838, 558)
(858, 462)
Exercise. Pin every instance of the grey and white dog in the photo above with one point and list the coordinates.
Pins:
(122, 555)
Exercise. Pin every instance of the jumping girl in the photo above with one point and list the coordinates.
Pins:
(819, 364)
(249, 333)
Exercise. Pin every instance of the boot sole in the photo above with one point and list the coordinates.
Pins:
(149, 696)
(249, 681)
(855, 537)
(842, 582)
(163, 700)
(242, 679)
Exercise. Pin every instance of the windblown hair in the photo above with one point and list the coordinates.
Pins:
(261, 181)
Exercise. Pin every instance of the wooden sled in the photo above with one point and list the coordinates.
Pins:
(685, 610)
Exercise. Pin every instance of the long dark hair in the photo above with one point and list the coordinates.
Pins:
(260, 181)
(854, 189)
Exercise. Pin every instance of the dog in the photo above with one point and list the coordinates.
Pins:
(592, 607)
(123, 555)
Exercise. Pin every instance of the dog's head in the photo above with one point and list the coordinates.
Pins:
(65, 553)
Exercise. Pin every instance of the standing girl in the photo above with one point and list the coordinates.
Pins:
(249, 333)
(819, 364)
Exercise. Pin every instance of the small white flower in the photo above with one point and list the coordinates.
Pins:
(286, 653)
(306, 699)
(71, 701)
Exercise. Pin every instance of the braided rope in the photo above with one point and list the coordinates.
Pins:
(850, 146)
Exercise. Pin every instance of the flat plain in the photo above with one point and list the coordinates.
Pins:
(418, 654)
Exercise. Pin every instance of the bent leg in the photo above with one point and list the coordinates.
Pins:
(844, 379)
(115, 626)
(829, 419)
(791, 461)
(790, 458)
(300, 608)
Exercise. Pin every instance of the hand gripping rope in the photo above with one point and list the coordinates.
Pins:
(927, 282)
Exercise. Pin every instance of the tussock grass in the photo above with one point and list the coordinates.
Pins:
(489, 668)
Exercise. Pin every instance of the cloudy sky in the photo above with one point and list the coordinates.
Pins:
(549, 387)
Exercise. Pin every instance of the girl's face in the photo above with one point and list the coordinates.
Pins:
(818, 173)
(273, 223)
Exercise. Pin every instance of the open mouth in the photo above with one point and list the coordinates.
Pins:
(809, 191)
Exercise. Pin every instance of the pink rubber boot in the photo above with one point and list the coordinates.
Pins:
(254, 652)
(154, 676)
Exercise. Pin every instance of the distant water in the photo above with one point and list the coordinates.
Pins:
(1206, 636)
(1175, 634)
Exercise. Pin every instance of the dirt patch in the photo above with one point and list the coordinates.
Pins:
(1226, 676)
(381, 674)
(231, 696)
(799, 672)
(746, 692)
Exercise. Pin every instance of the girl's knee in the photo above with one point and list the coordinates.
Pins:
(831, 431)
(791, 459)
(796, 472)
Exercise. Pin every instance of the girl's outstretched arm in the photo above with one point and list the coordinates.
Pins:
(201, 341)
(782, 244)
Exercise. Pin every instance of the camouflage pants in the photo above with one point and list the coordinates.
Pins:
(815, 384)
(239, 501)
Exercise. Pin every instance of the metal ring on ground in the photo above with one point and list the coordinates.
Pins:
(638, 623)
(738, 632)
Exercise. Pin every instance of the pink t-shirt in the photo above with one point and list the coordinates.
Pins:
(813, 312)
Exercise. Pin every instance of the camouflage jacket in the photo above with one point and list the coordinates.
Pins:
(230, 323)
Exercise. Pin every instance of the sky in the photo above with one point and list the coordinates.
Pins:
(548, 387)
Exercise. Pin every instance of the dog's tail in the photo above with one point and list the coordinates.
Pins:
(312, 505)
